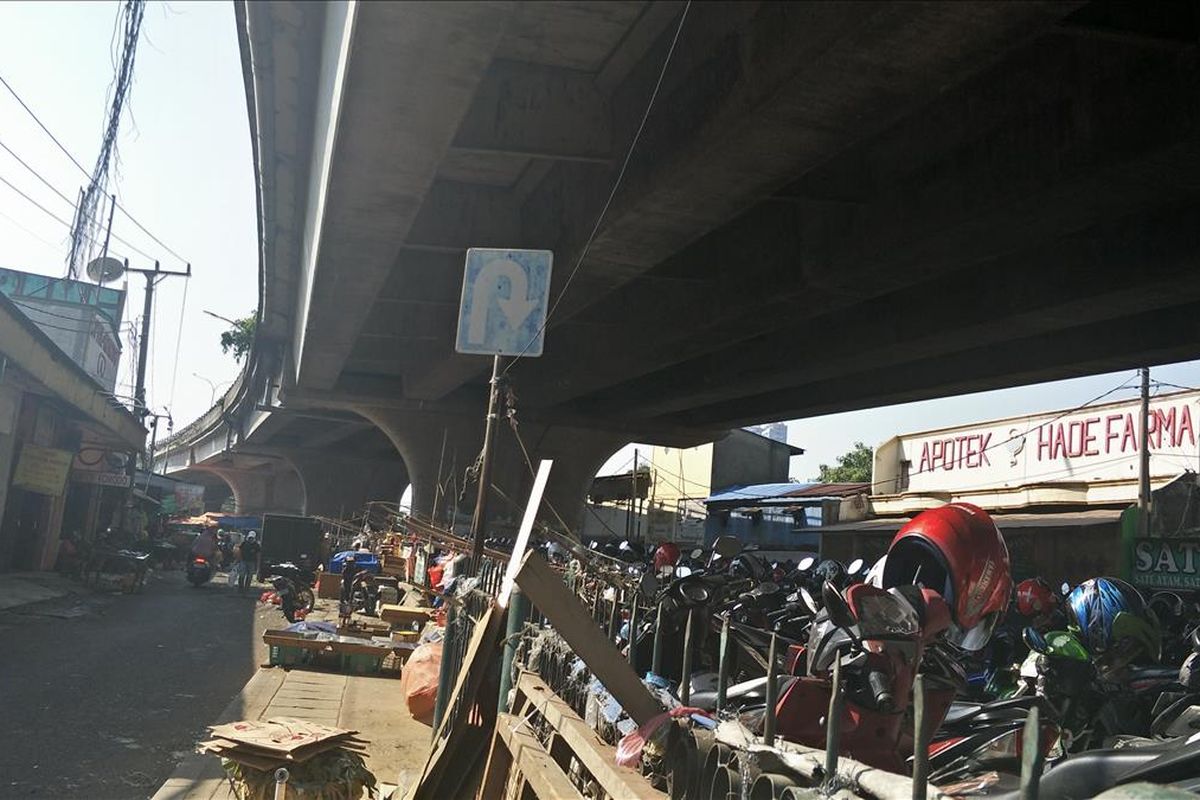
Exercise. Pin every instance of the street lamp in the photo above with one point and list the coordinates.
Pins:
(212, 394)
(218, 316)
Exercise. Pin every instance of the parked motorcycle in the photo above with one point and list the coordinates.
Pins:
(294, 585)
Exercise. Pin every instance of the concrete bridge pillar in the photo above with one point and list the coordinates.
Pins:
(255, 492)
(577, 452)
(337, 487)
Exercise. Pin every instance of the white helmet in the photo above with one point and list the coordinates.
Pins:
(251, 536)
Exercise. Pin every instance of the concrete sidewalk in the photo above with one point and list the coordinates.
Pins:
(374, 706)
(371, 705)
(23, 588)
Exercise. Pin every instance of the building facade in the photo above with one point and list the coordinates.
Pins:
(63, 444)
(83, 319)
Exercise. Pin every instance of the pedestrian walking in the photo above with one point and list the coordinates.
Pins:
(248, 564)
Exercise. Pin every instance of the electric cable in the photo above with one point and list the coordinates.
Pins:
(86, 174)
(65, 199)
(178, 341)
(41, 239)
(662, 73)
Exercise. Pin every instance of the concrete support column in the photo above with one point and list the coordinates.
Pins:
(426, 441)
(279, 492)
(338, 487)
(577, 452)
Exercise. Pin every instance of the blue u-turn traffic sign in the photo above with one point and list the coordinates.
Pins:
(504, 298)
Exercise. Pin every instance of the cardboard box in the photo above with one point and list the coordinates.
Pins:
(329, 586)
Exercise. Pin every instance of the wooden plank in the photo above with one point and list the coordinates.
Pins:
(546, 591)
(541, 772)
(481, 650)
(495, 774)
(593, 754)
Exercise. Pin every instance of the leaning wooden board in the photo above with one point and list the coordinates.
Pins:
(571, 620)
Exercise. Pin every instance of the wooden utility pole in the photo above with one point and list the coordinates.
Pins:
(1144, 453)
(478, 521)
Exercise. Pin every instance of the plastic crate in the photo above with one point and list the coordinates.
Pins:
(281, 656)
(361, 664)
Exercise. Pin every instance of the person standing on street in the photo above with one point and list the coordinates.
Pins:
(250, 549)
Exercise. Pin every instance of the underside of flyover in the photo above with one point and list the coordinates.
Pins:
(830, 206)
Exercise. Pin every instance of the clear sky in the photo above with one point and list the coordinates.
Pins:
(184, 171)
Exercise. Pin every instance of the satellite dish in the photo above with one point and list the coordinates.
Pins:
(105, 269)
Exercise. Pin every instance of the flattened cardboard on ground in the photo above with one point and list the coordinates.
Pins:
(278, 734)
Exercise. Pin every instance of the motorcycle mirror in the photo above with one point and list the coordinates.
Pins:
(855, 566)
(698, 553)
(1065, 588)
(836, 606)
(806, 563)
(727, 546)
(809, 602)
(648, 584)
(1035, 641)
(682, 572)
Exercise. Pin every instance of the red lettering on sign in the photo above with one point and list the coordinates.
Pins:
(1089, 438)
(1128, 437)
(984, 444)
(1109, 434)
(1045, 445)
(1185, 424)
(924, 459)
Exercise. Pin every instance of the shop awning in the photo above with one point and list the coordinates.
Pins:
(1063, 519)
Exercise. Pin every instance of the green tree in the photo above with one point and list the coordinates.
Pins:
(239, 338)
(852, 467)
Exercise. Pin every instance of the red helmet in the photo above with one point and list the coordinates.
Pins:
(957, 551)
(667, 555)
(1035, 597)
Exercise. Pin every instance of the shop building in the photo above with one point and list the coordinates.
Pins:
(63, 445)
(1057, 483)
(83, 319)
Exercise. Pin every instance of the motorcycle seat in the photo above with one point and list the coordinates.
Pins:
(752, 693)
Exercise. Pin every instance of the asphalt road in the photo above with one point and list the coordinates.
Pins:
(102, 694)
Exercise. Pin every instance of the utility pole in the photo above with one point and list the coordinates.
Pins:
(153, 276)
(1144, 453)
(478, 524)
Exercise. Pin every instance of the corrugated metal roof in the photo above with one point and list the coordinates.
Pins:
(830, 489)
(761, 491)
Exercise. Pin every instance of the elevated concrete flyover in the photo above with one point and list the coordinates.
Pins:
(829, 206)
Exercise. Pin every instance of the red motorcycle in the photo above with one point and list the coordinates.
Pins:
(879, 637)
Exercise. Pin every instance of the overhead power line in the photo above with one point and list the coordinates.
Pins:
(662, 73)
(92, 239)
(62, 148)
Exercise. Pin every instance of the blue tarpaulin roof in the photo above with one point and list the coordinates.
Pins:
(783, 494)
(761, 491)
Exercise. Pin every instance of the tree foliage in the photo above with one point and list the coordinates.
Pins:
(239, 338)
(852, 467)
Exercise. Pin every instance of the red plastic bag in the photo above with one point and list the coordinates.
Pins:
(629, 749)
(419, 681)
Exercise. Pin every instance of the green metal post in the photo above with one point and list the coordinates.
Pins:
(518, 612)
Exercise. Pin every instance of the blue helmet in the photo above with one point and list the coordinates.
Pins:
(1110, 615)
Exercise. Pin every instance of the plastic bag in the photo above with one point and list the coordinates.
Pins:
(419, 681)
(236, 573)
(629, 749)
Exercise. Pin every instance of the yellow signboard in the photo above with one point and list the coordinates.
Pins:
(42, 469)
